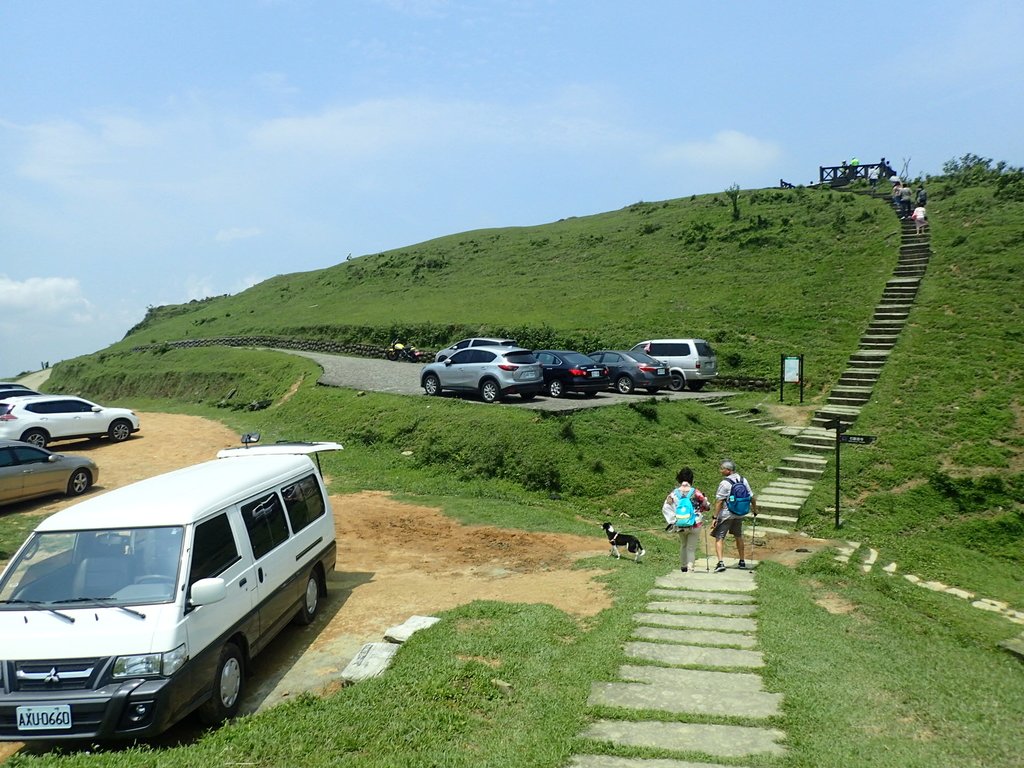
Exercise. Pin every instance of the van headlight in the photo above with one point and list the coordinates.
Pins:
(150, 664)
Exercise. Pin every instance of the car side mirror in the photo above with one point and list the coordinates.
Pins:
(96, 409)
(208, 591)
(447, 361)
(53, 458)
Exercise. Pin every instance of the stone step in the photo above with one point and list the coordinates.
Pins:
(730, 741)
(778, 518)
(787, 509)
(909, 271)
(868, 358)
(853, 376)
(877, 345)
(890, 336)
(702, 607)
(787, 491)
(708, 597)
(805, 460)
(815, 447)
(852, 391)
(809, 474)
(840, 400)
(695, 637)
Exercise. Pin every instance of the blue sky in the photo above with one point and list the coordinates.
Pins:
(155, 152)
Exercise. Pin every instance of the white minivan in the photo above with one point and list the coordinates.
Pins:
(122, 614)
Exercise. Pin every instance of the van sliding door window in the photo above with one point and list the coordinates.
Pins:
(304, 501)
(264, 520)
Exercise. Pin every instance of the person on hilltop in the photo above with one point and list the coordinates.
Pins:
(873, 172)
(731, 506)
(683, 511)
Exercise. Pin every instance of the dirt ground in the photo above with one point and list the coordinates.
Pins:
(395, 560)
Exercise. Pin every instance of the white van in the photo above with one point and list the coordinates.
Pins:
(692, 362)
(122, 614)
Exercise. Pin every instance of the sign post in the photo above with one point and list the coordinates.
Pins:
(791, 370)
(843, 437)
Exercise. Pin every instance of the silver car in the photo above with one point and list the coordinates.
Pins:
(491, 372)
(27, 471)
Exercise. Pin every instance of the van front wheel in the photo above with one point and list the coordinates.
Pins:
(227, 687)
(310, 601)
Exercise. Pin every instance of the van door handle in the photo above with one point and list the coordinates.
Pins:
(243, 582)
(259, 571)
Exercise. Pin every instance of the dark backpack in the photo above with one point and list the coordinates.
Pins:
(739, 498)
(687, 515)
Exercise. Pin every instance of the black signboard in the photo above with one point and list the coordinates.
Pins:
(861, 439)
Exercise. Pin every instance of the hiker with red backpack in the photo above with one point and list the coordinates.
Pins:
(734, 500)
(683, 511)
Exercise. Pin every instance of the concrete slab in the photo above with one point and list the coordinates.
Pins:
(610, 761)
(695, 637)
(405, 630)
(371, 661)
(690, 621)
(732, 580)
(694, 655)
(717, 740)
(703, 608)
(688, 594)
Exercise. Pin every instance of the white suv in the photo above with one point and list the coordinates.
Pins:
(692, 362)
(43, 418)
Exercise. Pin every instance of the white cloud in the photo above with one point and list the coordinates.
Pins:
(43, 295)
(237, 233)
(726, 149)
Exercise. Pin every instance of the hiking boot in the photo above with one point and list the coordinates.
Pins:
(742, 565)
(720, 568)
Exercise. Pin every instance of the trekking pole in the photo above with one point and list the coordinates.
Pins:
(753, 541)
(707, 552)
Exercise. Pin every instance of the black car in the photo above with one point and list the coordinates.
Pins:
(566, 371)
(632, 369)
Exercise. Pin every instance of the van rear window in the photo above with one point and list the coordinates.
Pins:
(704, 349)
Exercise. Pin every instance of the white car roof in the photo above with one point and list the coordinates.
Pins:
(182, 496)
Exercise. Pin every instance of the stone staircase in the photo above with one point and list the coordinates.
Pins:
(814, 446)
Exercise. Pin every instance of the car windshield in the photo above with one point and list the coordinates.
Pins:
(641, 357)
(132, 566)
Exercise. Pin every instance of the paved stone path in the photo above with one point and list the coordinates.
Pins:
(697, 665)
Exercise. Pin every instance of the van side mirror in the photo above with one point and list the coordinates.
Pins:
(250, 437)
(208, 591)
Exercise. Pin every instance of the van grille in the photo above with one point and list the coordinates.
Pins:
(54, 675)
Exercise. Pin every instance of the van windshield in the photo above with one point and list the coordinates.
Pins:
(132, 566)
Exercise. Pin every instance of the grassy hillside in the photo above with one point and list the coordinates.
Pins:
(797, 272)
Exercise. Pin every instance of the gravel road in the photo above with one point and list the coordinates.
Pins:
(402, 378)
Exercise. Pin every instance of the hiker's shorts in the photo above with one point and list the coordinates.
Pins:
(727, 525)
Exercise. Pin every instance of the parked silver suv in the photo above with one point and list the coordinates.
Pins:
(692, 362)
(447, 352)
(491, 372)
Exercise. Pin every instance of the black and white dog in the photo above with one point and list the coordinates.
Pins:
(616, 539)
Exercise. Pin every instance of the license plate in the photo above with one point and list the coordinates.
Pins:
(594, 374)
(49, 718)
(662, 371)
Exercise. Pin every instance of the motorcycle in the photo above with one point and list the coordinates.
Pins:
(400, 351)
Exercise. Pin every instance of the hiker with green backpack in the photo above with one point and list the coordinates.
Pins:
(683, 511)
(734, 500)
